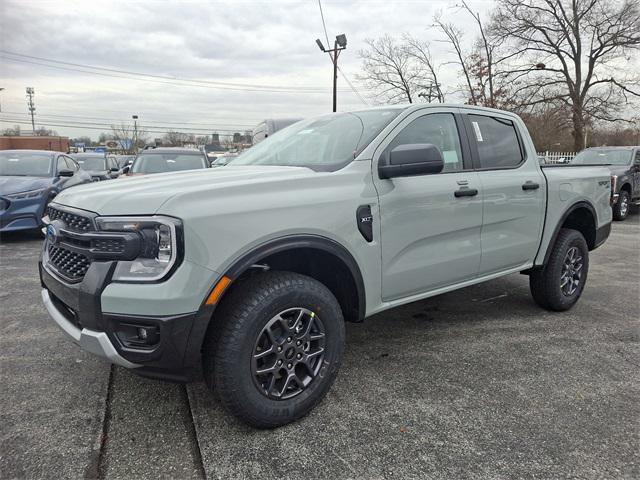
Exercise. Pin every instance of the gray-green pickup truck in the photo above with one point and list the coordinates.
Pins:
(246, 274)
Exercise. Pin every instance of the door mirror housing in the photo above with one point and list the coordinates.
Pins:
(114, 169)
(126, 169)
(411, 159)
(65, 172)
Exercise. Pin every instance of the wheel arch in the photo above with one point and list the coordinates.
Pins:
(313, 255)
(580, 216)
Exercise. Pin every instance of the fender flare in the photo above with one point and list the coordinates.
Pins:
(563, 218)
(289, 242)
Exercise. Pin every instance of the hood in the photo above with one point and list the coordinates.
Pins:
(619, 170)
(144, 195)
(17, 184)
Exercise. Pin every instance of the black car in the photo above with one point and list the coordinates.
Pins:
(97, 165)
(163, 160)
(624, 163)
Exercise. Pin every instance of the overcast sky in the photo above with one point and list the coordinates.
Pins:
(253, 46)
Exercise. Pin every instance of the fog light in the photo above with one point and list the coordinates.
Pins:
(138, 336)
(142, 333)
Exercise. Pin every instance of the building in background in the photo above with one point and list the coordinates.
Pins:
(57, 143)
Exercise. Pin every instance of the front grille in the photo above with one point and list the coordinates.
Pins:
(72, 265)
(110, 245)
(71, 220)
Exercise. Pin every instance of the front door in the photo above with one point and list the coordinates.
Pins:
(430, 237)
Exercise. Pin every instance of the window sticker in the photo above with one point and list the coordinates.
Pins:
(450, 156)
(476, 128)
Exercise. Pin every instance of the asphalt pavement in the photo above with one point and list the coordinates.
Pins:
(477, 383)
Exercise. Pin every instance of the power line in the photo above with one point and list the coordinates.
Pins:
(130, 75)
(71, 123)
(352, 87)
(164, 122)
(324, 25)
(147, 130)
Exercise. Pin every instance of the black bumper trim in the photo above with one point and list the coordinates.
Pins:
(602, 234)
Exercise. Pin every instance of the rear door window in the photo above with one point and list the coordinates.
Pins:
(497, 142)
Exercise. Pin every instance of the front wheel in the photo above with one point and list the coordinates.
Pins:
(560, 283)
(274, 348)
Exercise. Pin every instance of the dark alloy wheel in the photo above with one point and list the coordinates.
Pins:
(274, 347)
(621, 207)
(558, 285)
(288, 353)
(571, 272)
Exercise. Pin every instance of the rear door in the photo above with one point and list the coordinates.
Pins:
(514, 191)
(430, 237)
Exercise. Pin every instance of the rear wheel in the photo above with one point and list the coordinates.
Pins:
(274, 348)
(621, 207)
(560, 283)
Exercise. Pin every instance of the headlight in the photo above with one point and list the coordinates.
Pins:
(29, 194)
(161, 246)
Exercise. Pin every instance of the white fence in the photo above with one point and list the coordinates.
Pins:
(555, 157)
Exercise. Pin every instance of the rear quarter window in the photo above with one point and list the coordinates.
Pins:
(497, 141)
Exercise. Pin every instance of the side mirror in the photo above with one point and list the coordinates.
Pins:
(126, 169)
(65, 172)
(114, 169)
(412, 159)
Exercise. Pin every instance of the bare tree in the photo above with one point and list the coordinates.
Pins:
(420, 51)
(10, 132)
(129, 138)
(389, 70)
(177, 139)
(571, 53)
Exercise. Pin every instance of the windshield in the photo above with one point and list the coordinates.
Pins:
(167, 162)
(324, 143)
(90, 163)
(30, 164)
(613, 157)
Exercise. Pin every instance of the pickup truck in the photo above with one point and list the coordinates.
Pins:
(624, 165)
(246, 274)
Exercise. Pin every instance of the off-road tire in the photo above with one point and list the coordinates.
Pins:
(237, 324)
(545, 283)
(620, 213)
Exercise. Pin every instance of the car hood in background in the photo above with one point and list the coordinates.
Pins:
(17, 184)
(619, 169)
(144, 195)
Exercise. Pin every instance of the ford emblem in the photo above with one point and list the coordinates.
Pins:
(52, 234)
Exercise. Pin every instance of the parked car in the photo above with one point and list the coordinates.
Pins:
(222, 160)
(123, 160)
(162, 160)
(249, 271)
(29, 180)
(97, 165)
(624, 164)
(270, 126)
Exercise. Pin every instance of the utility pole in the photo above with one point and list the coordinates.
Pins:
(134, 143)
(339, 45)
(430, 96)
(31, 107)
(1, 89)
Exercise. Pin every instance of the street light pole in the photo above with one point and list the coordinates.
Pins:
(339, 45)
(1, 89)
(135, 133)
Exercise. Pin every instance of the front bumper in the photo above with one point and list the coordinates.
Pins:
(94, 342)
(77, 309)
(21, 214)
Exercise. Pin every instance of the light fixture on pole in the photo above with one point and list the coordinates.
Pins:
(339, 45)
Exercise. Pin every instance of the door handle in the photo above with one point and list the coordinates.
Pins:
(466, 192)
(530, 186)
